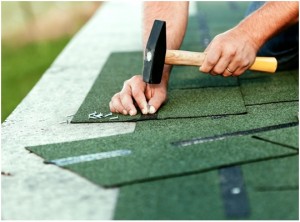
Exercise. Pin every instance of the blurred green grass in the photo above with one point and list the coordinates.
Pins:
(22, 67)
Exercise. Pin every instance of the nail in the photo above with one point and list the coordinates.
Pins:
(152, 109)
(109, 114)
(132, 112)
(99, 116)
(125, 112)
(148, 108)
(145, 111)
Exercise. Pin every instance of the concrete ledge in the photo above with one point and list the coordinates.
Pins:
(38, 191)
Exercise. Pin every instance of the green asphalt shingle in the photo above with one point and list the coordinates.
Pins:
(190, 198)
(197, 196)
(274, 174)
(286, 137)
(279, 87)
(154, 155)
(181, 198)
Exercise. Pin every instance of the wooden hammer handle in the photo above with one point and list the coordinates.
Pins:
(179, 57)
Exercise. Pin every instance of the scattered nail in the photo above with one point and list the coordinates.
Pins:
(109, 114)
(93, 117)
(99, 116)
(115, 117)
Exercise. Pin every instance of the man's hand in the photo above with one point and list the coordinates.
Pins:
(229, 54)
(148, 98)
(234, 51)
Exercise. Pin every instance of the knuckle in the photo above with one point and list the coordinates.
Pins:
(240, 60)
(126, 82)
(136, 78)
(217, 71)
(246, 63)
(125, 100)
(217, 38)
(210, 61)
(135, 90)
(122, 95)
(230, 51)
(115, 102)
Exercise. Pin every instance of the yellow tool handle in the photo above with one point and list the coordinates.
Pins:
(264, 64)
(180, 57)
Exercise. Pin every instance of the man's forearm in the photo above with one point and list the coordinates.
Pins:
(268, 20)
(176, 16)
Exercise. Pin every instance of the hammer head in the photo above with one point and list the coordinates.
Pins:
(154, 55)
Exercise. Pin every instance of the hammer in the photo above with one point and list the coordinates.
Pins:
(156, 55)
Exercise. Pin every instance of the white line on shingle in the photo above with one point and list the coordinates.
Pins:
(89, 157)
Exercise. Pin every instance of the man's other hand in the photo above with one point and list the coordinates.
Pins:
(229, 54)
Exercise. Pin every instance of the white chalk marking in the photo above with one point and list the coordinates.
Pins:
(89, 157)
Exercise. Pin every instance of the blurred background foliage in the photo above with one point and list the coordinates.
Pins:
(33, 34)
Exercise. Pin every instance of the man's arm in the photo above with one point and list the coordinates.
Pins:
(234, 51)
(149, 97)
(176, 16)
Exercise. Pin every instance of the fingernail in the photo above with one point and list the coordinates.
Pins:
(152, 109)
(124, 112)
(145, 111)
(132, 112)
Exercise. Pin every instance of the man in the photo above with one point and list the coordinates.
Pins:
(270, 30)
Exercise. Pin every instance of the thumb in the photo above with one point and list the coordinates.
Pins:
(155, 102)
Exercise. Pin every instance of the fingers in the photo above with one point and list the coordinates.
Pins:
(116, 106)
(210, 61)
(239, 66)
(226, 65)
(139, 96)
(229, 54)
(217, 60)
(154, 104)
(127, 102)
(132, 91)
(157, 98)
